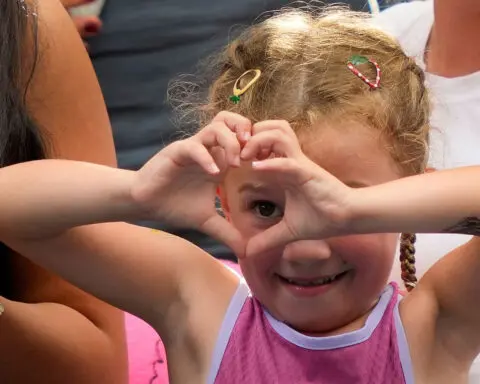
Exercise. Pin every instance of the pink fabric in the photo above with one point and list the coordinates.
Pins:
(146, 354)
(257, 353)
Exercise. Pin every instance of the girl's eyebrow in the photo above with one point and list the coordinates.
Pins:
(252, 187)
(261, 187)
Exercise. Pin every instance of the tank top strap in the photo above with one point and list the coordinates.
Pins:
(235, 307)
(403, 349)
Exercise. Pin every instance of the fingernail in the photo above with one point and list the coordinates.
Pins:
(246, 136)
(214, 168)
(237, 161)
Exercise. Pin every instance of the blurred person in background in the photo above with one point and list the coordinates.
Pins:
(85, 16)
(442, 35)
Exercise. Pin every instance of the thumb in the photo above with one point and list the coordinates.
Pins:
(274, 237)
(220, 229)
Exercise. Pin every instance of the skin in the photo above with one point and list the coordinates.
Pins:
(452, 47)
(169, 281)
(64, 334)
(357, 161)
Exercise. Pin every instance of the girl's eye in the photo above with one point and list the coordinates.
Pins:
(266, 209)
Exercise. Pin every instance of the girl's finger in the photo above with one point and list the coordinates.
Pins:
(217, 134)
(236, 123)
(276, 236)
(220, 229)
(187, 152)
(287, 170)
(269, 143)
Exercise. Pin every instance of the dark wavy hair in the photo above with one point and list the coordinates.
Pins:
(20, 137)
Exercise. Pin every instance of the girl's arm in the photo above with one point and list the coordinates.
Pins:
(156, 276)
(151, 274)
(43, 199)
(128, 266)
(438, 202)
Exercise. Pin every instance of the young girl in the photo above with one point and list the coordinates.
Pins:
(317, 164)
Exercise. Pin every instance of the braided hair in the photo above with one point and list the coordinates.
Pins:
(407, 260)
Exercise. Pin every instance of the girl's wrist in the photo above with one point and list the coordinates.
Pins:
(362, 216)
(132, 207)
(346, 214)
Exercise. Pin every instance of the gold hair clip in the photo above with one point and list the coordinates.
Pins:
(237, 92)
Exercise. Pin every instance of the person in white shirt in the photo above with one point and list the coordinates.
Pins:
(442, 35)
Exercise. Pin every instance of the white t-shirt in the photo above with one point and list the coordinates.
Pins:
(455, 136)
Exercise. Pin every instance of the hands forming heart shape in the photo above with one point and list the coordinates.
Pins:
(179, 184)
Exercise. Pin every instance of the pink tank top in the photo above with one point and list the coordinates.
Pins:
(255, 348)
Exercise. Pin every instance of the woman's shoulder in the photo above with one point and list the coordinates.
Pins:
(64, 97)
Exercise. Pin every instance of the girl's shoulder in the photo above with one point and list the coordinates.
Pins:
(419, 313)
(195, 335)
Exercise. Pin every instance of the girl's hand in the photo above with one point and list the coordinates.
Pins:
(178, 185)
(317, 204)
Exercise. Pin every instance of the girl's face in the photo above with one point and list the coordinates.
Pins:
(360, 264)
